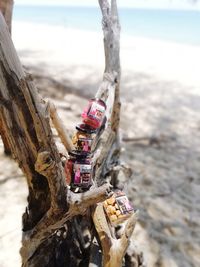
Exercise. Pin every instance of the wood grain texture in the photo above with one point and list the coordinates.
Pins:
(6, 7)
(60, 127)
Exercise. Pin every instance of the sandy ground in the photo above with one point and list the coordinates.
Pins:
(160, 127)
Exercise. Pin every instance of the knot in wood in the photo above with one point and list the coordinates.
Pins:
(44, 162)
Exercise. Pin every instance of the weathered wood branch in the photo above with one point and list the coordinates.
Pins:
(128, 231)
(107, 93)
(108, 149)
(60, 127)
(107, 89)
(111, 30)
(54, 220)
(113, 249)
(108, 163)
(52, 170)
(6, 7)
(4, 140)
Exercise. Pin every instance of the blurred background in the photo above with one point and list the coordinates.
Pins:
(61, 44)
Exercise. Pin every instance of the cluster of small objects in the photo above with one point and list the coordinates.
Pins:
(118, 208)
(79, 169)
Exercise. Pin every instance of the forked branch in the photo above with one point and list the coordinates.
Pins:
(113, 249)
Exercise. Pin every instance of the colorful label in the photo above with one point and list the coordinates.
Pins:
(82, 174)
(84, 144)
(124, 204)
(96, 111)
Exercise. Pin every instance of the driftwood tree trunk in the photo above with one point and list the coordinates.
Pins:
(61, 228)
(6, 7)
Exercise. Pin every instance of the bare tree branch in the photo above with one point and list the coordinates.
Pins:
(77, 204)
(56, 180)
(60, 127)
(6, 7)
(113, 249)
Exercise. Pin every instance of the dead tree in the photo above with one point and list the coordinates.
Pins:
(62, 228)
(6, 7)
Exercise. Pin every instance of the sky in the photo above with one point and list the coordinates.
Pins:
(177, 4)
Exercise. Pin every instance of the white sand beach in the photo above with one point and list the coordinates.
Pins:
(73, 54)
(161, 98)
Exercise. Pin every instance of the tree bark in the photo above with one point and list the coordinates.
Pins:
(62, 228)
(7, 150)
(6, 7)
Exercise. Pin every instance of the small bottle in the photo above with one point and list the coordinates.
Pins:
(83, 138)
(78, 170)
(94, 113)
(118, 208)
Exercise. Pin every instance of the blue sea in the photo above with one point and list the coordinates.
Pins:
(179, 26)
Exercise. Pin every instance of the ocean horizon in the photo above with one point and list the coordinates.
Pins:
(179, 26)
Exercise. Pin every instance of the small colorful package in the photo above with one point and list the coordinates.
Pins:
(93, 115)
(78, 170)
(83, 138)
(118, 208)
